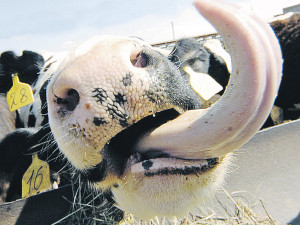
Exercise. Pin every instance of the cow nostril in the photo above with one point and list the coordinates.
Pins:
(70, 101)
(140, 60)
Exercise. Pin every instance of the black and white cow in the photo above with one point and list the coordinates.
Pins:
(28, 66)
(212, 59)
(202, 59)
(126, 118)
(24, 131)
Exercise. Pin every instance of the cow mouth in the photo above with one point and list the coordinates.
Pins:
(123, 157)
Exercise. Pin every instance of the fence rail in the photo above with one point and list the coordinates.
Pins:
(201, 39)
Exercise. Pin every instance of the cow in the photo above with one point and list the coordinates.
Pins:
(202, 59)
(22, 132)
(208, 59)
(28, 66)
(212, 59)
(287, 29)
(126, 118)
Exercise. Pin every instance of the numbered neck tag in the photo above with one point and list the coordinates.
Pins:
(36, 178)
(19, 95)
(203, 83)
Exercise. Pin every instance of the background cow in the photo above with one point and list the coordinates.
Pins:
(287, 29)
(212, 59)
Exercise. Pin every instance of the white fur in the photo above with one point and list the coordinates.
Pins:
(168, 195)
(7, 118)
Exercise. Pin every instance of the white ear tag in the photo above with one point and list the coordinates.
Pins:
(203, 83)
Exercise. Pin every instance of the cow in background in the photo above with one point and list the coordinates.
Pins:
(212, 59)
(20, 137)
(287, 29)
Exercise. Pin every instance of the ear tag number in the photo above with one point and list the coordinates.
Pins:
(36, 178)
(19, 95)
(203, 83)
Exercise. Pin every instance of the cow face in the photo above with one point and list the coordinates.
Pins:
(122, 113)
(98, 111)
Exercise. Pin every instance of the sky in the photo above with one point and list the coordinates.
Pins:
(56, 25)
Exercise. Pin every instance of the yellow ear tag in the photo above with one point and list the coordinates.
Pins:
(19, 95)
(203, 83)
(36, 178)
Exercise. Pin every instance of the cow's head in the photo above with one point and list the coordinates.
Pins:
(122, 113)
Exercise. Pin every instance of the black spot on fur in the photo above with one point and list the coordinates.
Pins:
(120, 99)
(147, 164)
(100, 95)
(97, 173)
(288, 33)
(112, 109)
(31, 120)
(19, 123)
(116, 114)
(151, 96)
(218, 70)
(127, 79)
(98, 121)
(123, 123)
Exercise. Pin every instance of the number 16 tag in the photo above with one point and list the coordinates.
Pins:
(36, 178)
(19, 95)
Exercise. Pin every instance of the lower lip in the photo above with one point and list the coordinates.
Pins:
(164, 166)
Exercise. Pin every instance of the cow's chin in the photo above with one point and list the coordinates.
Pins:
(169, 192)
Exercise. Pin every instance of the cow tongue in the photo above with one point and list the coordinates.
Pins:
(247, 101)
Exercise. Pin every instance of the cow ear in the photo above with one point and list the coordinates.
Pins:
(8, 62)
(177, 52)
(28, 67)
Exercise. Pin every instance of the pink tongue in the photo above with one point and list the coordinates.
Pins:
(247, 101)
